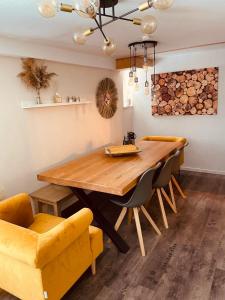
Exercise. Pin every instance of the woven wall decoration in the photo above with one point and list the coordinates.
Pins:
(107, 98)
(193, 92)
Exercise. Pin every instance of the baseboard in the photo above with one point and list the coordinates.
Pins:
(198, 170)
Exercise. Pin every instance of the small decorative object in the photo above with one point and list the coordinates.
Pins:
(106, 98)
(122, 150)
(193, 92)
(57, 98)
(129, 139)
(35, 75)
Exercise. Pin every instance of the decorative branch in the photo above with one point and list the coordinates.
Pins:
(35, 75)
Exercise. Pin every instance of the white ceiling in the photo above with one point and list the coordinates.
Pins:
(188, 23)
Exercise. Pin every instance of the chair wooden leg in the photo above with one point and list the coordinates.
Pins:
(168, 200)
(178, 187)
(162, 208)
(139, 232)
(130, 216)
(172, 195)
(93, 267)
(148, 217)
(120, 218)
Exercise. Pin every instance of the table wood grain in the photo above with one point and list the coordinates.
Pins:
(115, 175)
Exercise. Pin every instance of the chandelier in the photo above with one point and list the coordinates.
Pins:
(144, 46)
(97, 9)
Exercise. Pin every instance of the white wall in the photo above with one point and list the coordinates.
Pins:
(205, 133)
(33, 140)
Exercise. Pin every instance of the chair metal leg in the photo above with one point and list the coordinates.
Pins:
(178, 187)
(120, 218)
(162, 209)
(168, 200)
(172, 195)
(139, 232)
(148, 217)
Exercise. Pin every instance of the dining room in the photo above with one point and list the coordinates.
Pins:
(112, 177)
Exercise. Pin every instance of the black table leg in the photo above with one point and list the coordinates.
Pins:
(101, 220)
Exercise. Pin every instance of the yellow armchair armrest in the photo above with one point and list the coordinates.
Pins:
(17, 210)
(18, 242)
(53, 242)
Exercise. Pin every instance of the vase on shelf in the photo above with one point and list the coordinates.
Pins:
(38, 97)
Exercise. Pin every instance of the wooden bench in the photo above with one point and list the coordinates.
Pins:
(53, 195)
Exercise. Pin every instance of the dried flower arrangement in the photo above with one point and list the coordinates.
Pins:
(35, 75)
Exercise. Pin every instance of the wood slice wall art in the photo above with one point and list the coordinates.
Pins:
(107, 98)
(193, 92)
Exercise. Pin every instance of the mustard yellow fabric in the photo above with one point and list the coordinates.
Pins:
(17, 210)
(168, 139)
(49, 255)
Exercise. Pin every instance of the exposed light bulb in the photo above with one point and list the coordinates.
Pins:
(162, 4)
(131, 78)
(146, 88)
(131, 81)
(109, 47)
(87, 8)
(79, 38)
(146, 37)
(136, 84)
(148, 25)
(48, 8)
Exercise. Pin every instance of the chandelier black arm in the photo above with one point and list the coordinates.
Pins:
(100, 28)
(116, 19)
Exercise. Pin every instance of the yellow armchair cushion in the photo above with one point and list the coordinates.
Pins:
(54, 241)
(44, 222)
(17, 210)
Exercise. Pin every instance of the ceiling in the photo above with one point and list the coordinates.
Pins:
(187, 24)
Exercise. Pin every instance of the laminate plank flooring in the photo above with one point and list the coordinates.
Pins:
(186, 263)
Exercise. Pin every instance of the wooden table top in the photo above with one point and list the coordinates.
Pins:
(114, 175)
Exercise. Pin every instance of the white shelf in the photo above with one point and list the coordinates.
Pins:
(32, 105)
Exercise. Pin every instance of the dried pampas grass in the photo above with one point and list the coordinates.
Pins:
(35, 75)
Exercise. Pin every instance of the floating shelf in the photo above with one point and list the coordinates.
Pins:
(32, 105)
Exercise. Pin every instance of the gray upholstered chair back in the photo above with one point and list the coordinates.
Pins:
(164, 175)
(143, 190)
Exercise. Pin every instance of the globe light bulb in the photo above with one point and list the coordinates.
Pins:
(131, 78)
(136, 84)
(79, 38)
(148, 25)
(87, 8)
(109, 47)
(48, 8)
(146, 88)
(162, 4)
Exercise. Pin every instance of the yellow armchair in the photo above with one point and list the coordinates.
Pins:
(167, 139)
(42, 256)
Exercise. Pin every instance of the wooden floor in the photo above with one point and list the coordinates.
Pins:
(187, 262)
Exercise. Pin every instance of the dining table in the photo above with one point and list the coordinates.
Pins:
(102, 173)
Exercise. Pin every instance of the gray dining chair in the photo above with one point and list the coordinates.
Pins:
(136, 202)
(176, 171)
(163, 180)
